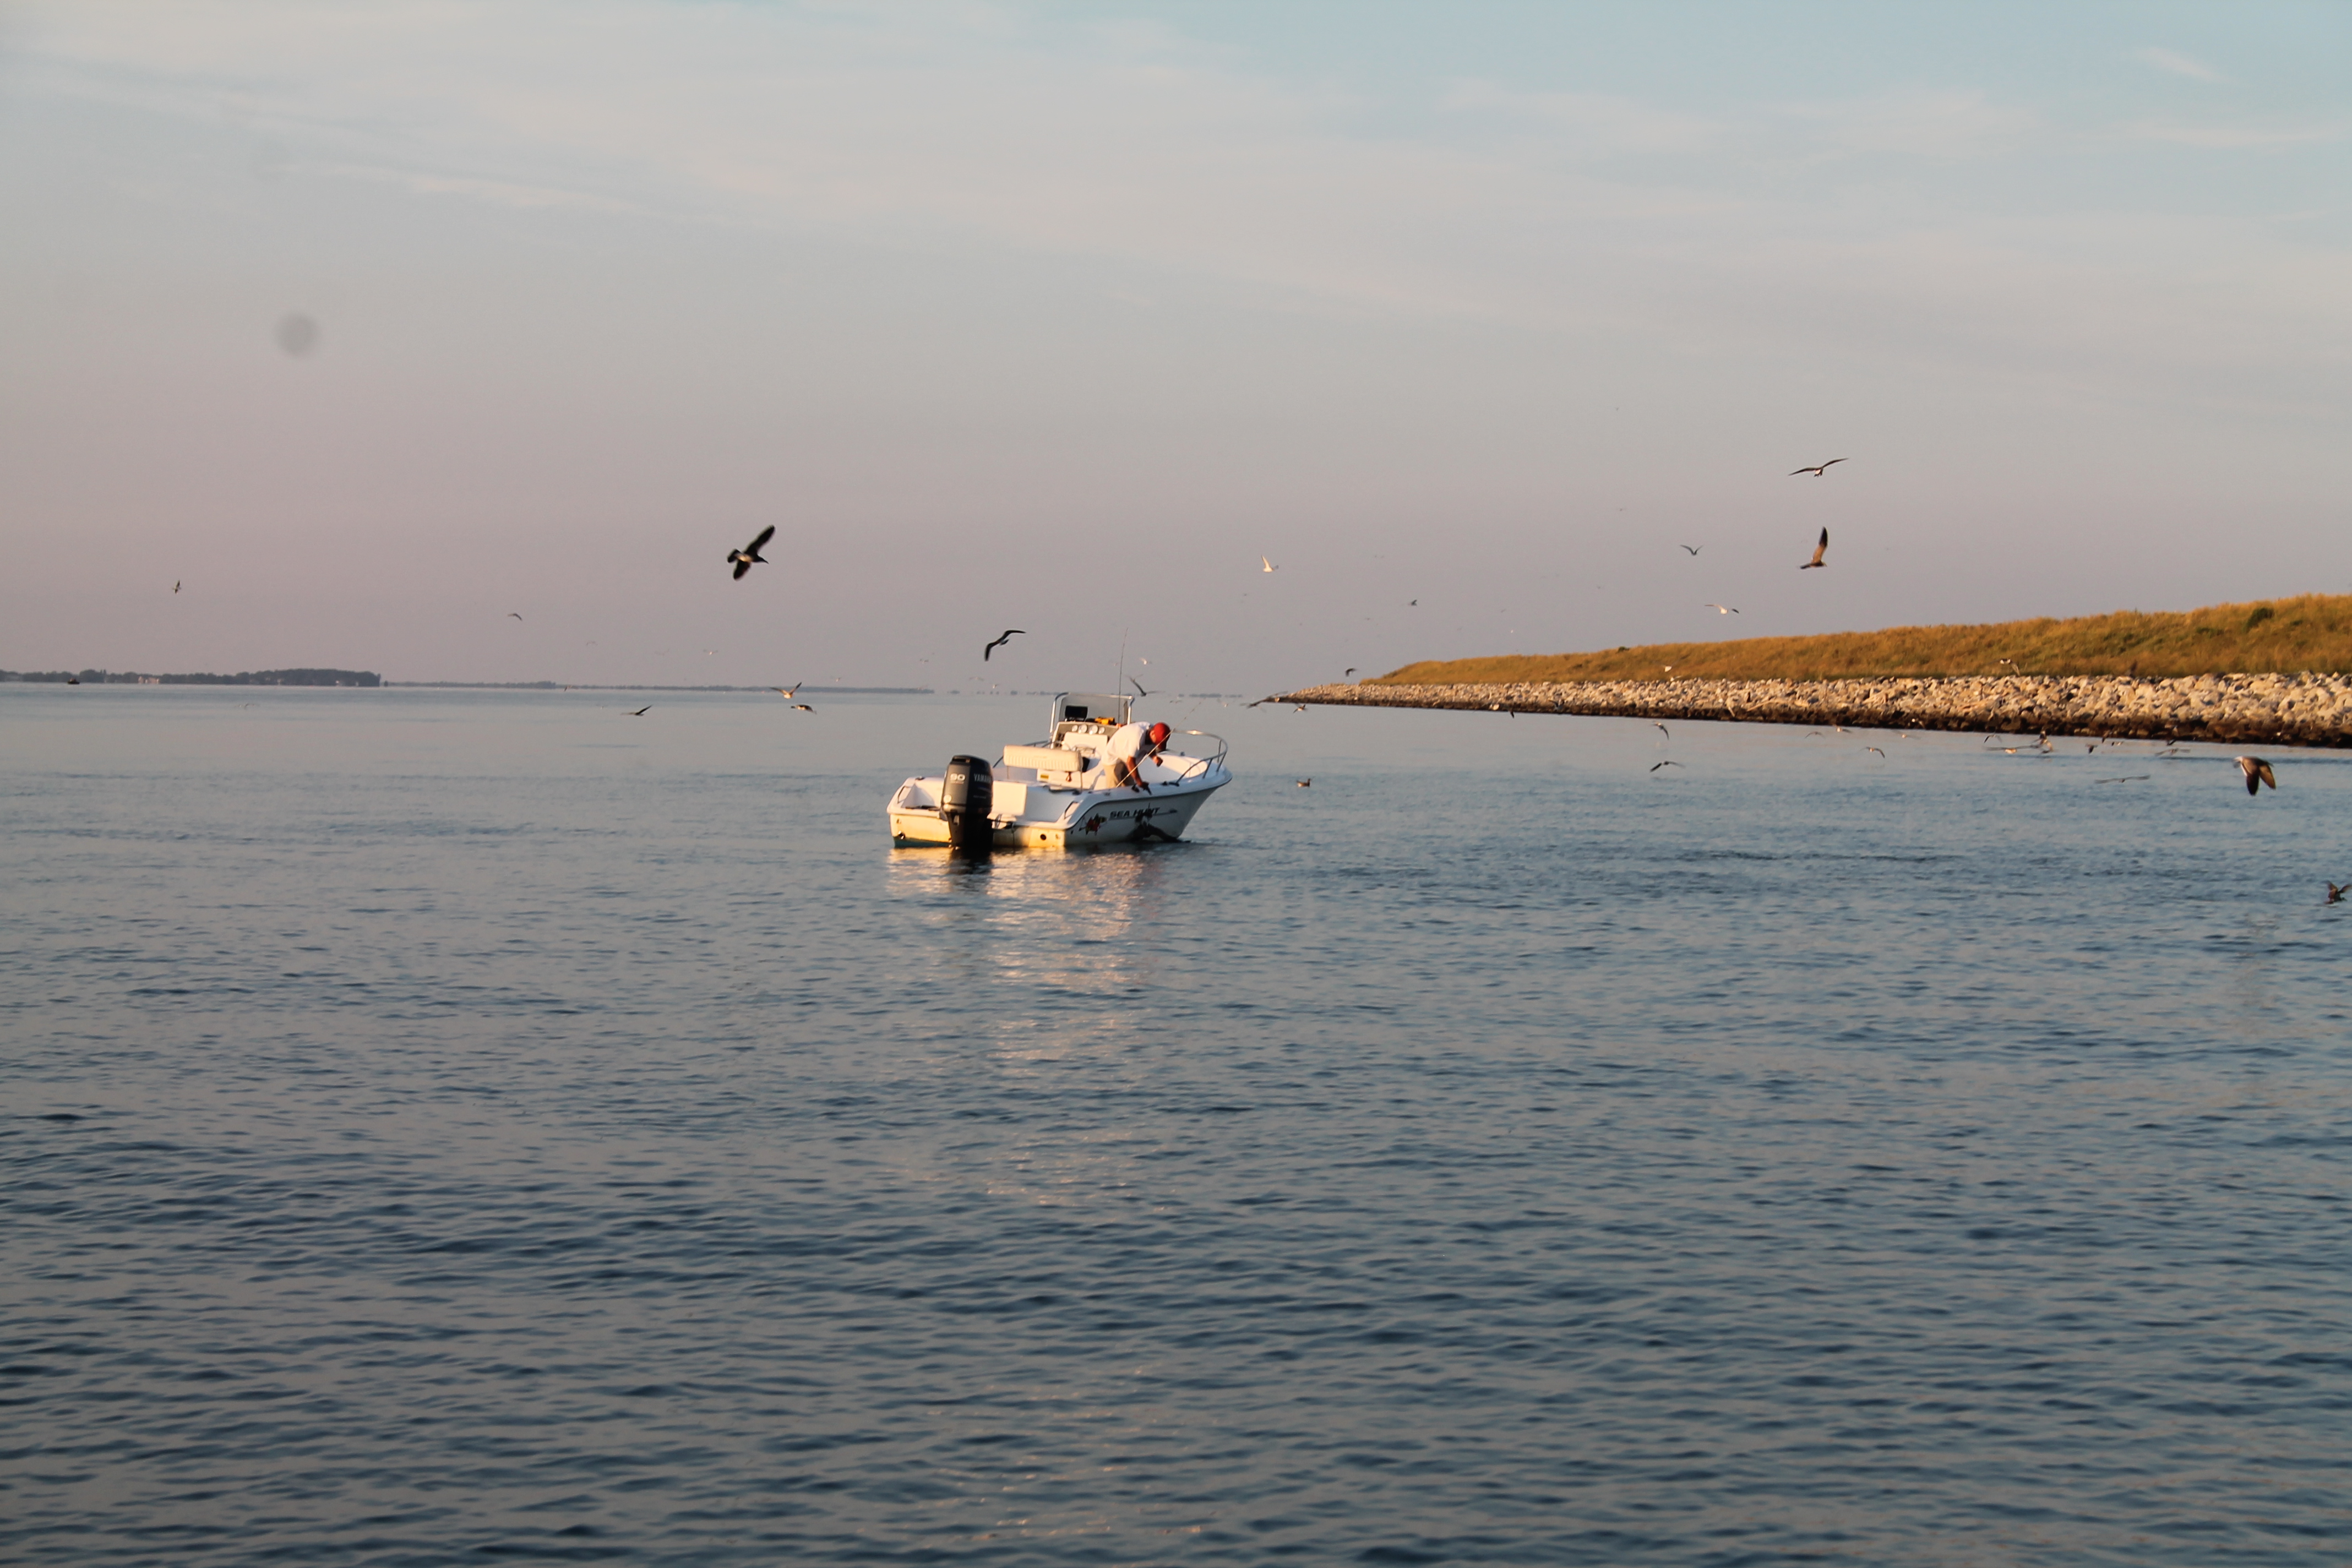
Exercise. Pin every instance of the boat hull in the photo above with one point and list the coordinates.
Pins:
(1096, 816)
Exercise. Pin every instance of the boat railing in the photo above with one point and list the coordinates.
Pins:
(1201, 764)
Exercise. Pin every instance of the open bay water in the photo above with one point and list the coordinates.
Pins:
(446, 1127)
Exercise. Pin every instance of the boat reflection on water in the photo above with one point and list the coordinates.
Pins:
(1061, 920)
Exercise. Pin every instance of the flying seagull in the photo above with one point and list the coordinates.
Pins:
(2258, 773)
(792, 691)
(1817, 470)
(1881, 756)
(1268, 564)
(749, 556)
(1819, 551)
(1010, 634)
(175, 587)
(1347, 673)
(1308, 783)
(1662, 730)
(1139, 687)
(2336, 894)
(643, 711)
(1723, 609)
(803, 708)
(1693, 549)
(1655, 766)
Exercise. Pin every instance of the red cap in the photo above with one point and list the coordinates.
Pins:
(1158, 733)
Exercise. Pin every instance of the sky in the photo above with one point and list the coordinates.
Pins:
(376, 326)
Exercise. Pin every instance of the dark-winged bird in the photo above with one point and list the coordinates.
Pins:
(2336, 894)
(642, 712)
(1819, 551)
(1008, 637)
(749, 556)
(1817, 470)
(1693, 549)
(1139, 687)
(2258, 773)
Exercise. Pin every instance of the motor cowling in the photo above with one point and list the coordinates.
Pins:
(966, 797)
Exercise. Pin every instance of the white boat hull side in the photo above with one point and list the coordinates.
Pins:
(1100, 817)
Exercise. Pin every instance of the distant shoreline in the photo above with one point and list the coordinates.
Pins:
(300, 677)
(2306, 710)
(591, 686)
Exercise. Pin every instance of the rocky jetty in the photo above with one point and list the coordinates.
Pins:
(2271, 709)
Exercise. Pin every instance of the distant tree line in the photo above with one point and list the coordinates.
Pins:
(244, 678)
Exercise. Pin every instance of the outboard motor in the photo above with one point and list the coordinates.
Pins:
(966, 796)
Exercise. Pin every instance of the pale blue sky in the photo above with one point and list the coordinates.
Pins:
(1060, 316)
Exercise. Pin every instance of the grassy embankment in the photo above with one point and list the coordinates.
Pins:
(2313, 632)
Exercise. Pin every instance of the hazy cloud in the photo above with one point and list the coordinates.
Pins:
(2179, 64)
(2224, 137)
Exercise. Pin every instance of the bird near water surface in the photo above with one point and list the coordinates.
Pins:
(2258, 773)
(803, 708)
(1819, 550)
(642, 712)
(1817, 469)
(2336, 894)
(1655, 766)
(1721, 609)
(749, 556)
(1010, 634)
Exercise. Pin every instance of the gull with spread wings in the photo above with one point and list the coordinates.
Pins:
(743, 559)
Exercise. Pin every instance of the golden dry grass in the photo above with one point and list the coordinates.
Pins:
(2313, 632)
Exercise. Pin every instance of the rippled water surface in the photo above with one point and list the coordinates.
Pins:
(447, 1126)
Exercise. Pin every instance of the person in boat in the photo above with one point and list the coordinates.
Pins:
(1132, 746)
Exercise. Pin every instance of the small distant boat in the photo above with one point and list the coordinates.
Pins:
(1056, 791)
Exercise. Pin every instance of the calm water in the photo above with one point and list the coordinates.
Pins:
(446, 1127)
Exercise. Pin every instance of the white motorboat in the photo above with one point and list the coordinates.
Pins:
(1058, 790)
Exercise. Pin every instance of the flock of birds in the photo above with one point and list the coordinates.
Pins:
(2257, 772)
